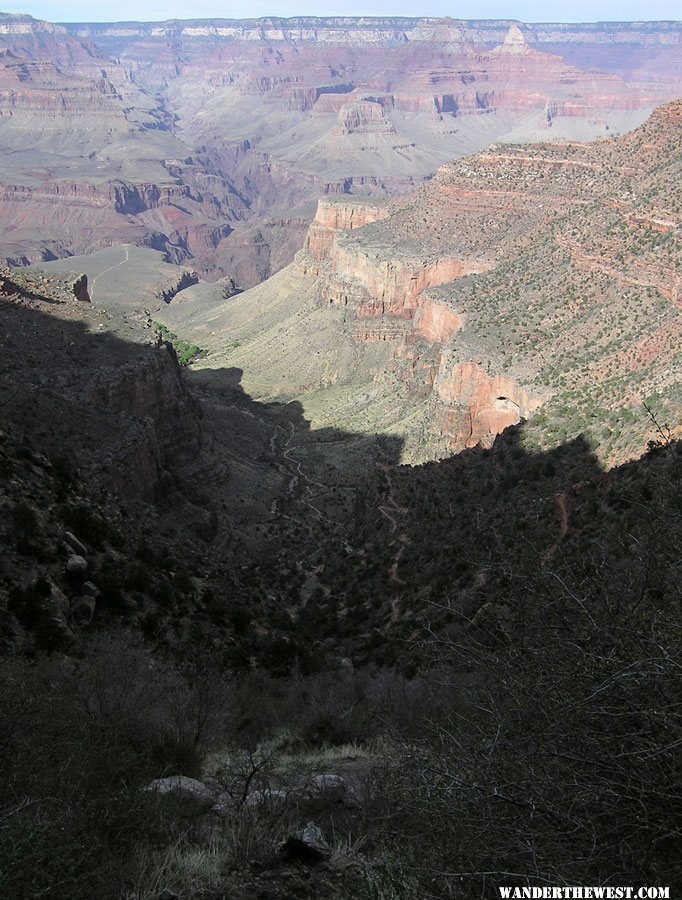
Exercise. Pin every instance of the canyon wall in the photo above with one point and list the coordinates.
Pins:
(488, 283)
(93, 388)
(476, 405)
(387, 299)
(197, 137)
(380, 29)
(334, 216)
(370, 277)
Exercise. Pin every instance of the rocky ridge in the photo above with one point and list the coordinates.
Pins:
(95, 379)
(481, 289)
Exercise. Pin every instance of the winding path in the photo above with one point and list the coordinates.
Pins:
(389, 511)
(108, 269)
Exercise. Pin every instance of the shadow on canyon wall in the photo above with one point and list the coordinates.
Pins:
(505, 621)
(325, 521)
(321, 534)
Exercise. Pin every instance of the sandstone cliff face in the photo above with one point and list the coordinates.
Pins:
(334, 216)
(152, 389)
(386, 30)
(54, 218)
(126, 199)
(477, 406)
(436, 322)
(380, 286)
(376, 284)
(17, 23)
(372, 279)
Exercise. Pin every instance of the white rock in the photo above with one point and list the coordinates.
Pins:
(184, 787)
(76, 566)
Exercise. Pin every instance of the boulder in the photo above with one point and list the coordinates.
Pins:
(58, 610)
(76, 566)
(59, 604)
(184, 788)
(74, 544)
(332, 787)
(79, 287)
(313, 837)
(307, 846)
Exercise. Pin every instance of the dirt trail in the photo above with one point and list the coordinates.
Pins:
(564, 516)
(108, 269)
(390, 510)
(287, 450)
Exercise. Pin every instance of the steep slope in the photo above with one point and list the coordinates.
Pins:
(522, 279)
(111, 393)
(311, 600)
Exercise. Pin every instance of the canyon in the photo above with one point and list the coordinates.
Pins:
(535, 282)
(340, 487)
(315, 162)
(175, 547)
(213, 141)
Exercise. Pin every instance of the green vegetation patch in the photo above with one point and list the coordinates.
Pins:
(187, 353)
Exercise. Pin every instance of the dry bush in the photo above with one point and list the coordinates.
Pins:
(558, 761)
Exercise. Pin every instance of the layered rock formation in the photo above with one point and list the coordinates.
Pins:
(364, 117)
(88, 159)
(213, 140)
(368, 277)
(624, 46)
(476, 406)
(537, 282)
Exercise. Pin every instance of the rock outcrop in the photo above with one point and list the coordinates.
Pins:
(364, 117)
(136, 419)
(477, 406)
(333, 216)
(152, 392)
(367, 276)
(436, 322)
(169, 290)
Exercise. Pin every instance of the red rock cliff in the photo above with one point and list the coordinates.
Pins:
(476, 405)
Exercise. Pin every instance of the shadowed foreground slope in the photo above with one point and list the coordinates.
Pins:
(484, 650)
